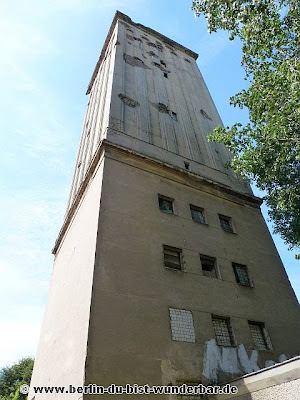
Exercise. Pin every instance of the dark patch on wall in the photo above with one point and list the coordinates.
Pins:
(135, 61)
(156, 45)
(161, 107)
(128, 100)
(205, 115)
(152, 54)
(161, 67)
(133, 38)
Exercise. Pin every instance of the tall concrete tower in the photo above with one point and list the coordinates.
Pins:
(165, 271)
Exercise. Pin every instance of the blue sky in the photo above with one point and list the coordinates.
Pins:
(49, 50)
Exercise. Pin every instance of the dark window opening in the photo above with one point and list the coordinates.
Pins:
(197, 214)
(241, 274)
(187, 60)
(226, 223)
(165, 204)
(163, 63)
(208, 266)
(223, 331)
(165, 75)
(172, 258)
(259, 335)
(173, 116)
(187, 165)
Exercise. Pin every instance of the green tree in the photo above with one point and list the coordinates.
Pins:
(267, 149)
(11, 378)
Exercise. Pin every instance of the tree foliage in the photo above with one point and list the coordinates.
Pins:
(11, 378)
(267, 149)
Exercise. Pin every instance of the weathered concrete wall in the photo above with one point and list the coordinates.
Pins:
(143, 101)
(96, 118)
(108, 317)
(61, 353)
(130, 338)
(132, 103)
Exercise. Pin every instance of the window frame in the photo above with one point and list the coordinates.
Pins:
(229, 220)
(264, 335)
(204, 257)
(237, 277)
(167, 248)
(229, 330)
(201, 210)
(182, 325)
(168, 199)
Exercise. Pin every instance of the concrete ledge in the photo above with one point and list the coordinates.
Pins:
(265, 378)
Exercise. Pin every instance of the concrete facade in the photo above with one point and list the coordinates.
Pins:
(116, 313)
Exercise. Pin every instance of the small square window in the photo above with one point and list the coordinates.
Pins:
(173, 116)
(259, 335)
(165, 75)
(241, 274)
(226, 223)
(208, 266)
(223, 331)
(172, 258)
(197, 214)
(165, 204)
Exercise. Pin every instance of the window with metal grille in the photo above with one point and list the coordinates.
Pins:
(223, 331)
(226, 223)
(197, 214)
(259, 335)
(172, 258)
(165, 204)
(208, 266)
(241, 274)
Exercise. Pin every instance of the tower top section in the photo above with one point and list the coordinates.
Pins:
(148, 97)
(125, 18)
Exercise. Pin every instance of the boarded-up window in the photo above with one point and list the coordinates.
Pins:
(172, 258)
(223, 331)
(182, 325)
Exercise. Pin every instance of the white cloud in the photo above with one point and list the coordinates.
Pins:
(19, 337)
